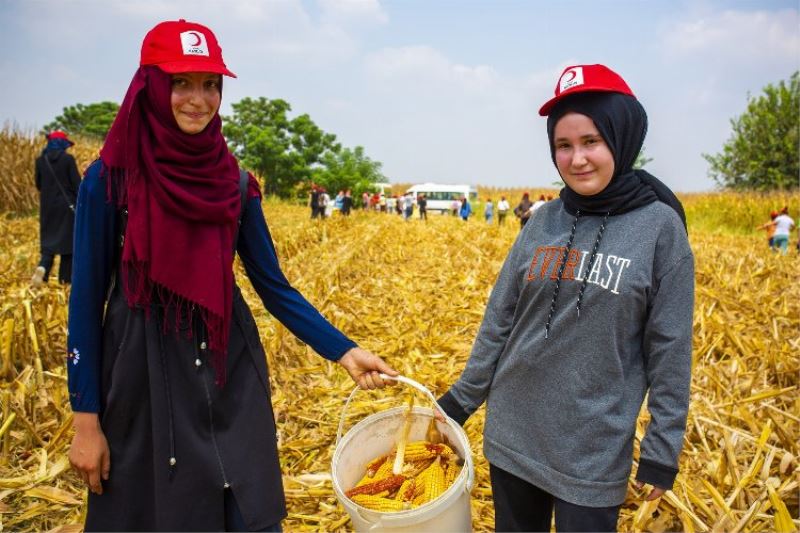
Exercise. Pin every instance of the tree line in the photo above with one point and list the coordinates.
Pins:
(289, 153)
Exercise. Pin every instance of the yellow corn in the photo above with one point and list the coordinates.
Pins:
(450, 473)
(421, 450)
(377, 503)
(374, 487)
(406, 491)
(434, 482)
(415, 468)
(383, 471)
(419, 484)
(375, 464)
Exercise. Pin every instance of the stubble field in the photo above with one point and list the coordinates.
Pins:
(414, 293)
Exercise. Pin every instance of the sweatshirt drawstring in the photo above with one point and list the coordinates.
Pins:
(560, 273)
(563, 259)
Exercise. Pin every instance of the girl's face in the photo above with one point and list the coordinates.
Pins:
(583, 158)
(195, 99)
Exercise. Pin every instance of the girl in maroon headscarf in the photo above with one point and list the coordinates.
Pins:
(168, 380)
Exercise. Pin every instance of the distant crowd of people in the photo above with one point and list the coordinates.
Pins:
(404, 204)
(779, 228)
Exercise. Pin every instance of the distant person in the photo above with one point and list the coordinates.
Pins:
(313, 201)
(337, 202)
(769, 227)
(466, 210)
(382, 202)
(399, 204)
(502, 210)
(422, 203)
(347, 203)
(325, 204)
(523, 210)
(455, 205)
(488, 211)
(783, 228)
(408, 206)
(537, 204)
(365, 201)
(57, 180)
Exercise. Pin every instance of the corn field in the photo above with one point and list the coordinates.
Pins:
(414, 293)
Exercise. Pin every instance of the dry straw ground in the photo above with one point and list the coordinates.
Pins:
(414, 293)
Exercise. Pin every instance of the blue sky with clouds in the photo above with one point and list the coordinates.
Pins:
(436, 90)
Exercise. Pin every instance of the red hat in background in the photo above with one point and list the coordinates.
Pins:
(58, 134)
(586, 78)
(180, 46)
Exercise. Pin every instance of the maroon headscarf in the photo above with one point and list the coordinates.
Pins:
(182, 196)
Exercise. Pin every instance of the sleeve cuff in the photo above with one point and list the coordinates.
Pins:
(340, 353)
(656, 474)
(452, 408)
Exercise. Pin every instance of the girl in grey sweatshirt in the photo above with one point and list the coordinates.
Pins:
(591, 312)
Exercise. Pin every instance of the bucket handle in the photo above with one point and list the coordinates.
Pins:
(423, 389)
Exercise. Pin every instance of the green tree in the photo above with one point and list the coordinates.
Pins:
(762, 152)
(285, 152)
(348, 169)
(641, 159)
(91, 120)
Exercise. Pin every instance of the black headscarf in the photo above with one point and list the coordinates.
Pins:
(622, 122)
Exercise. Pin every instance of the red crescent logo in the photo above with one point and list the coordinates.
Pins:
(197, 36)
(571, 74)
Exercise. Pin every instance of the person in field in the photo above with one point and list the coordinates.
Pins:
(591, 311)
(769, 227)
(783, 229)
(465, 210)
(502, 210)
(57, 180)
(168, 379)
(523, 210)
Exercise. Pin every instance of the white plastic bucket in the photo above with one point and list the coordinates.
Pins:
(376, 435)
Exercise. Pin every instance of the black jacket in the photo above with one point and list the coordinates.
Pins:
(56, 219)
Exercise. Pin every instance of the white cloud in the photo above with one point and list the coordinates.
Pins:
(358, 11)
(423, 65)
(736, 37)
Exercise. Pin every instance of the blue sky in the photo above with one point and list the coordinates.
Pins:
(442, 91)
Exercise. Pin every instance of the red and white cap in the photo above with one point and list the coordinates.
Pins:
(58, 134)
(180, 46)
(586, 78)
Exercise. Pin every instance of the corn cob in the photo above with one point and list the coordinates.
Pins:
(421, 450)
(384, 505)
(384, 471)
(434, 481)
(450, 473)
(373, 466)
(390, 483)
(406, 491)
(364, 480)
(417, 467)
(419, 484)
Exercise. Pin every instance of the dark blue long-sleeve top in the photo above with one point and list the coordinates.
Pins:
(96, 234)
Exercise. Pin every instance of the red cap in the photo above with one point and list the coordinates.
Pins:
(183, 47)
(585, 78)
(58, 134)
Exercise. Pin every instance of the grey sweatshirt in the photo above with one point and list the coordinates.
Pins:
(561, 411)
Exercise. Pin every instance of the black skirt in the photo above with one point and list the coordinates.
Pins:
(177, 440)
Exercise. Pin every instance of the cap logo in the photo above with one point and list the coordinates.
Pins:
(194, 43)
(571, 78)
